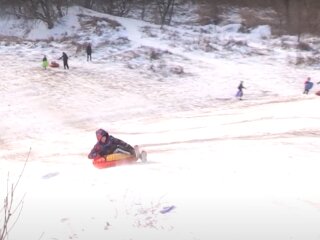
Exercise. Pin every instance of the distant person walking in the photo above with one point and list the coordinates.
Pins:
(65, 58)
(45, 62)
(89, 52)
(307, 85)
(240, 91)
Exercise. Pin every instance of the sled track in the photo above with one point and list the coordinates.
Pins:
(266, 136)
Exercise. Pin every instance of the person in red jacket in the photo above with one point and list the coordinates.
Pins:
(108, 144)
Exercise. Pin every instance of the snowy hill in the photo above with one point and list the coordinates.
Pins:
(232, 169)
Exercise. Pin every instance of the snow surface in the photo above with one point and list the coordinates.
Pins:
(229, 169)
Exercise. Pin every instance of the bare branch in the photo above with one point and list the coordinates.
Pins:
(9, 210)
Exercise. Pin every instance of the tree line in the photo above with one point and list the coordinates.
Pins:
(293, 16)
(49, 11)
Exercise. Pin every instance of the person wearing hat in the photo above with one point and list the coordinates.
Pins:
(108, 144)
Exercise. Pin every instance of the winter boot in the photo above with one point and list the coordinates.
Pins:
(143, 156)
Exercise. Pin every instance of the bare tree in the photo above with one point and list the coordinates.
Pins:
(10, 212)
(115, 7)
(89, 3)
(47, 11)
(143, 8)
(293, 16)
(166, 8)
(59, 4)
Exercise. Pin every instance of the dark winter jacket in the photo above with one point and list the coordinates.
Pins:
(64, 57)
(109, 147)
(240, 87)
(89, 49)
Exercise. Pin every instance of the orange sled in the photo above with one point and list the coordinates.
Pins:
(113, 160)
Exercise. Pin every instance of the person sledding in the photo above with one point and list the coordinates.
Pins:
(108, 145)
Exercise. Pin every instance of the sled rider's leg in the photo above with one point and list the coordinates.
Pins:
(143, 156)
(137, 151)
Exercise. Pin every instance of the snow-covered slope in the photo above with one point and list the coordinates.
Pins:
(231, 169)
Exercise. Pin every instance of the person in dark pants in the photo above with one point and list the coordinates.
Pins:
(307, 85)
(89, 52)
(65, 57)
(108, 144)
(240, 91)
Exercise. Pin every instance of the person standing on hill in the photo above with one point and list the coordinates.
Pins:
(307, 85)
(240, 91)
(65, 58)
(45, 62)
(89, 52)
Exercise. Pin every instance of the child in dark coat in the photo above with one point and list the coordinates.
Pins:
(108, 144)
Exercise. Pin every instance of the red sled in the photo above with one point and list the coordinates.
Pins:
(113, 160)
(54, 64)
(318, 93)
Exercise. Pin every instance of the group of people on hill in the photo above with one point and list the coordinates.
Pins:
(308, 85)
(108, 144)
(65, 58)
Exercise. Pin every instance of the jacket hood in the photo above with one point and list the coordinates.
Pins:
(101, 133)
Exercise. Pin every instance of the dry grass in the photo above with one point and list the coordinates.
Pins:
(92, 21)
(301, 60)
(304, 46)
